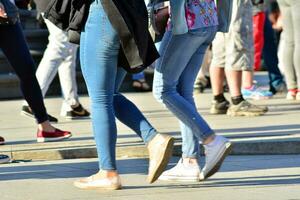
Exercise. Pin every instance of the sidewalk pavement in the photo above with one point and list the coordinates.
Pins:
(241, 177)
(278, 132)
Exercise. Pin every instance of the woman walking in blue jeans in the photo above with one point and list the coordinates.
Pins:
(192, 28)
(99, 53)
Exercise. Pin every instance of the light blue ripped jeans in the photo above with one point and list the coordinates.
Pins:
(175, 74)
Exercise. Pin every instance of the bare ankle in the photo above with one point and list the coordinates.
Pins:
(190, 160)
(108, 173)
(46, 126)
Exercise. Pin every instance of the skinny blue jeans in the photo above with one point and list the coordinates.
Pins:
(174, 77)
(99, 48)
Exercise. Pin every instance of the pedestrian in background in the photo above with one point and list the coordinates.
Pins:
(14, 47)
(233, 56)
(59, 56)
(291, 47)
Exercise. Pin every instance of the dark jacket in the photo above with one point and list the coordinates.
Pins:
(68, 15)
(128, 17)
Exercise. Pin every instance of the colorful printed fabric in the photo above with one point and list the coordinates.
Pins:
(201, 13)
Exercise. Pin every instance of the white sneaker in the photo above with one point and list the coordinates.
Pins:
(183, 171)
(291, 95)
(215, 153)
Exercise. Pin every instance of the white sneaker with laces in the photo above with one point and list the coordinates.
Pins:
(183, 171)
(215, 153)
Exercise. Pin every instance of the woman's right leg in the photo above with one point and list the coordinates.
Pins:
(99, 55)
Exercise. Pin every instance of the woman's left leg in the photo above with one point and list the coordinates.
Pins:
(129, 114)
(15, 48)
(159, 145)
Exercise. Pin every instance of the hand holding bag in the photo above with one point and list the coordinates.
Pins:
(11, 11)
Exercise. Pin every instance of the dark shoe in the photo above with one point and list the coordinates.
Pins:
(26, 110)
(219, 108)
(44, 136)
(4, 159)
(141, 86)
(2, 141)
(77, 113)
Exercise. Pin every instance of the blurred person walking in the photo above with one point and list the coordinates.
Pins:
(14, 47)
(59, 56)
(291, 46)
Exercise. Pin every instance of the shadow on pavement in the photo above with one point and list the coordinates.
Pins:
(140, 166)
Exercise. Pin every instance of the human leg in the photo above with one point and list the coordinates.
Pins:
(159, 145)
(288, 51)
(21, 61)
(167, 76)
(219, 104)
(271, 58)
(258, 35)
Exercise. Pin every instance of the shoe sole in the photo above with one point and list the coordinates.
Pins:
(164, 160)
(257, 98)
(77, 118)
(217, 112)
(215, 169)
(41, 140)
(179, 179)
(6, 160)
(119, 187)
(246, 114)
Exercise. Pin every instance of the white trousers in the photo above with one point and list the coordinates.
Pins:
(59, 56)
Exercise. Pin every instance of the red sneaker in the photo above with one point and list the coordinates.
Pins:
(43, 136)
(2, 141)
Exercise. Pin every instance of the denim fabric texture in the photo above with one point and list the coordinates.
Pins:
(99, 56)
(174, 77)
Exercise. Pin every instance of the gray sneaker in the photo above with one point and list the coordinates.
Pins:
(219, 108)
(246, 109)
